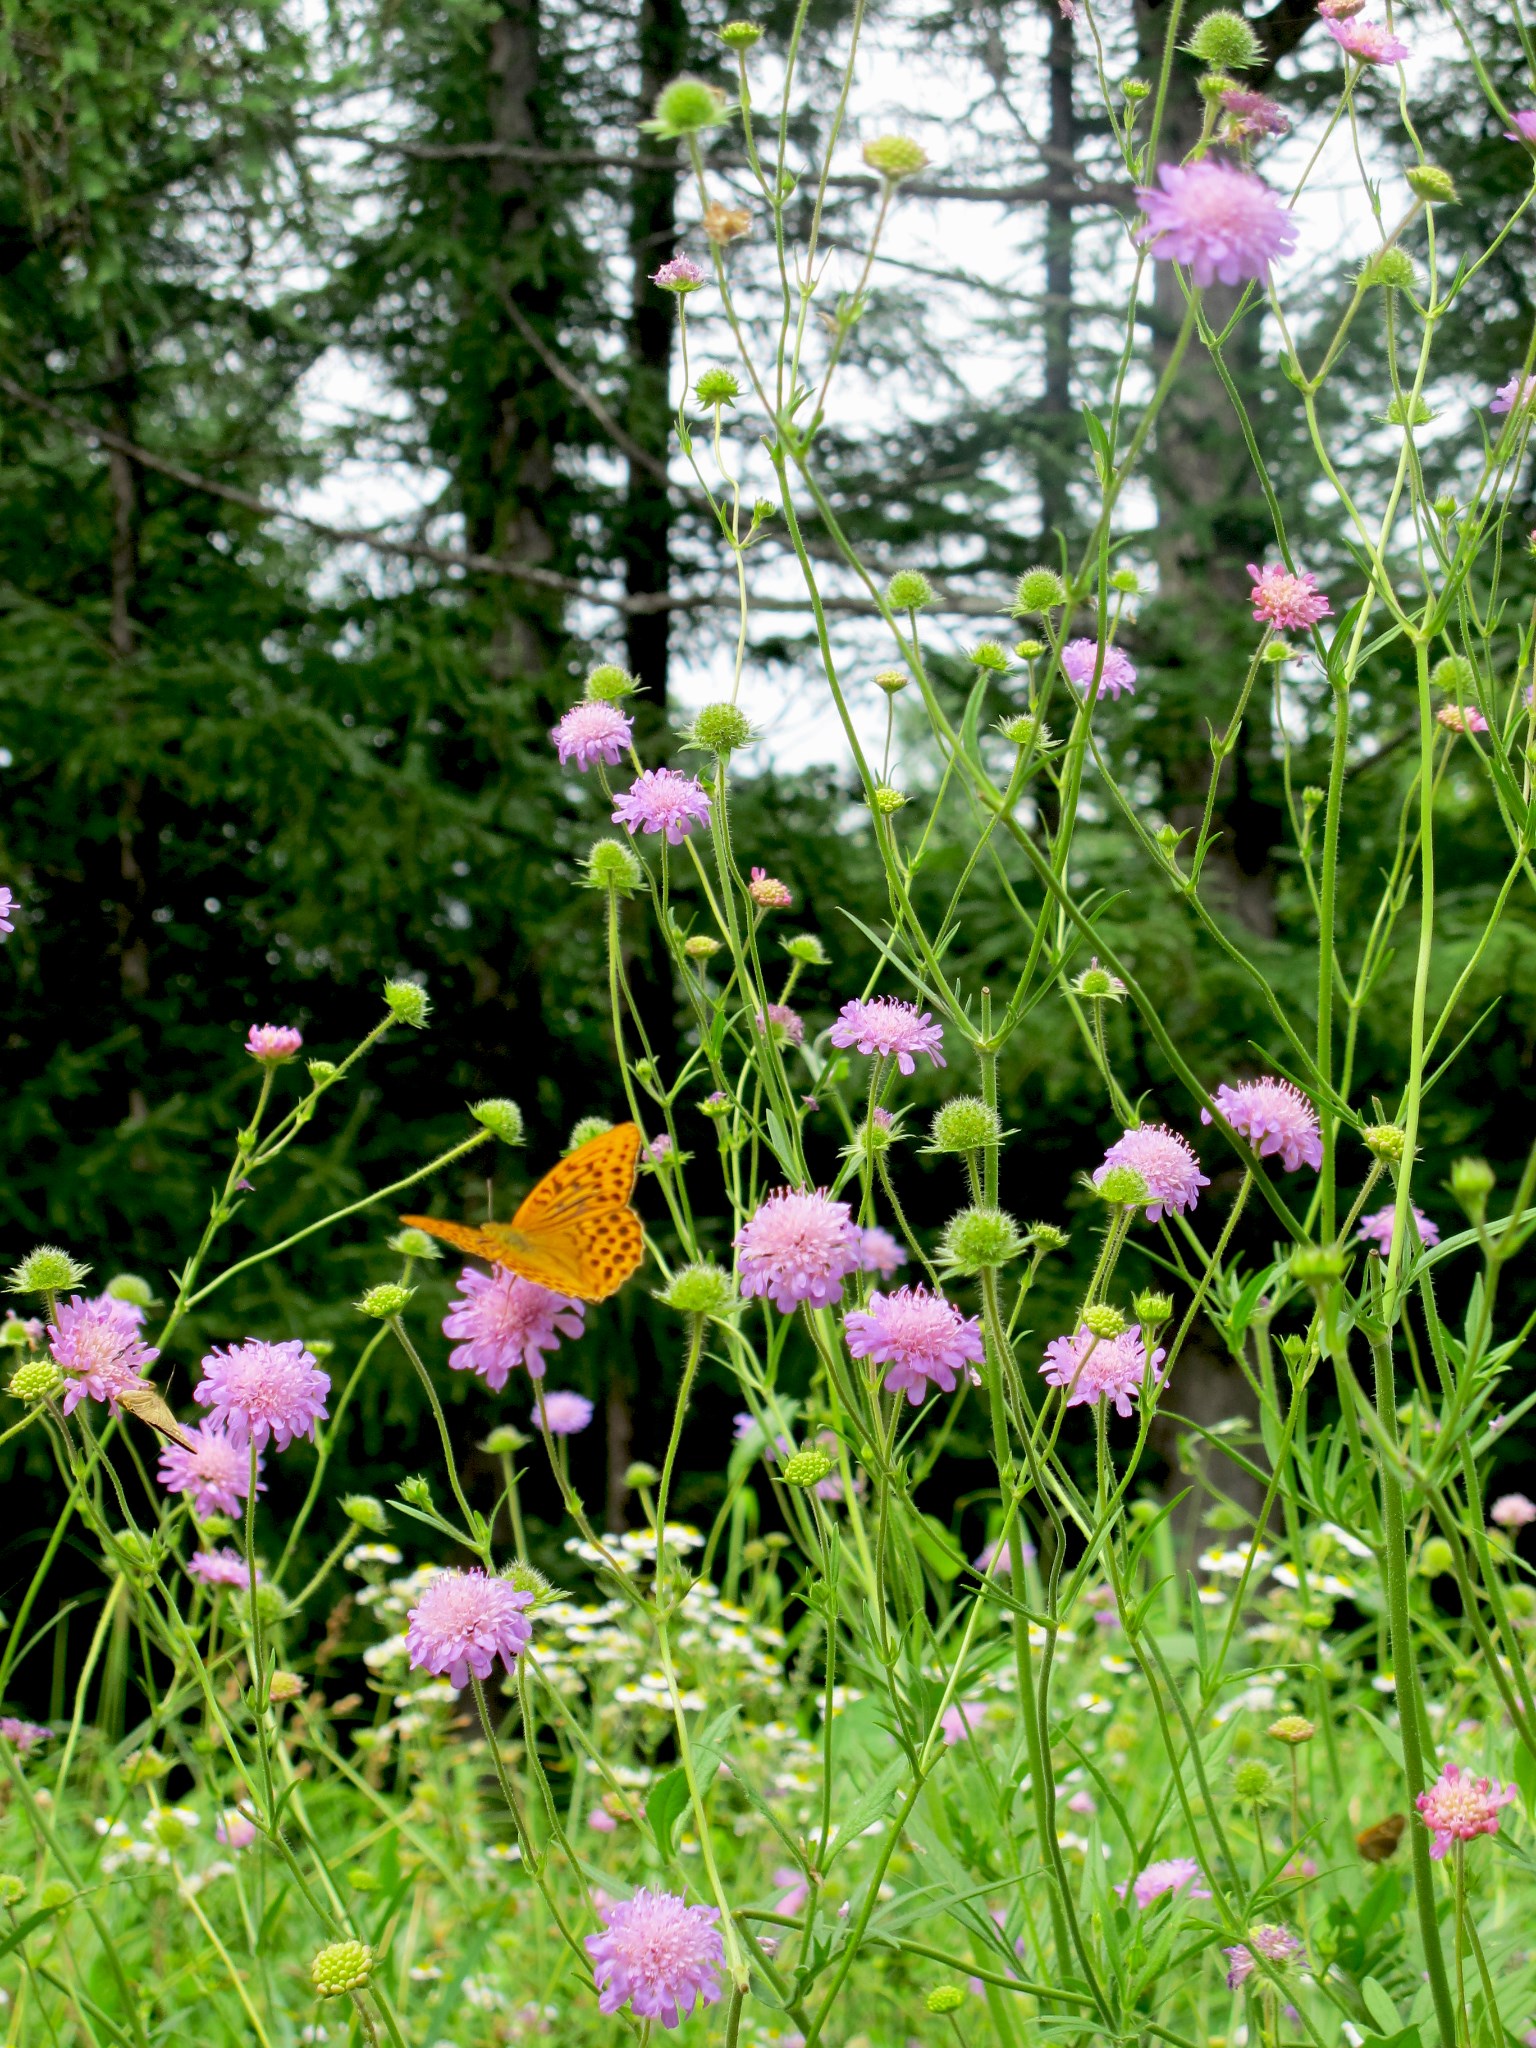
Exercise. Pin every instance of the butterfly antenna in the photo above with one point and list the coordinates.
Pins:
(490, 1199)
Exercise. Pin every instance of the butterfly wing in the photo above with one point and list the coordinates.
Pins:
(149, 1405)
(1379, 1842)
(579, 1216)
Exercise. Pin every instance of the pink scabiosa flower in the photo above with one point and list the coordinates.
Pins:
(1173, 1874)
(1368, 42)
(1458, 1809)
(507, 1321)
(656, 1954)
(661, 800)
(563, 1414)
(1287, 599)
(780, 1020)
(1223, 224)
(1275, 1118)
(1274, 1944)
(795, 1890)
(259, 1391)
(924, 1339)
(1340, 10)
(1524, 129)
(7, 907)
(1254, 113)
(22, 1735)
(602, 1821)
(1079, 658)
(216, 1471)
(767, 892)
(1376, 1229)
(1101, 1368)
(224, 1567)
(879, 1252)
(591, 732)
(680, 274)
(1519, 392)
(272, 1044)
(961, 1721)
(1164, 1161)
(1513, 1511)
(798, 1246)
(98, 1351)
(1462, 718)
(463, 1622)
(889, 1029)
(235, 1829)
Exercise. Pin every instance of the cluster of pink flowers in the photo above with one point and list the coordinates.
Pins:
(1079, 659)
(1461, 718)
(656, 1954)
(887, 1028)
(781, 1018)
(1274, 1944)
(22, 1735)
(924, 1339)
(1368, 42)
(1376, 1229)
(506, 1321)
(259, 1392)
(224, 1567)
(564, 1414)
(234, 1828)
(679, 274)
(1524, 129)
(97, 1347)
(1253, 113)
(1513, 1511)
(768, 892)
(1458, 1809)
(1223, 224)
(960, 1721)
(1164, 1161)
(591, 732)
(1173, 1874)
(272, 1044)
(1286, 599)
(216, 1471)
(1517, 393)
(1276, 1119)
(1095, 1369)
(879, 1252)
(661, 800)
(7, 908)
(799, 1246)
(463, 1622)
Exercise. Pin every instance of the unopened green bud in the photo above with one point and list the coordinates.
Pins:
(807, 949)
(1045, 1237)
(408, 1003)
(1214, 85)
(979, 1240)
(1104, 1321)
(1126, 581)
(143, 1767)
(416, 1491)
(1039, 590)
(12, 1890)
(1096, 984)
(612, 865)
(1385, 1141)
(908, 591)
(896, 157)
(1445, 505)
(411, 1243)
(1472, 1184)
(130, 1288)
(1135, 90)
(1455, 675)
(504, 1119)
(136, 1550)
(701, 947)
(1393, 269)
(945, 1998)
(1152, 1309)
(367, 1512)
(888, 801)
(1315, 1265)
(717, 387)
(1313, 798)
(1253, 1783)
(988, 655)
(503, 1441)
(284, 1687)
(340, 1967)
(892, 680)
(610, 684)
(739, 35)
(47, 1270)
(686, 107)
(700, 1290)
(1292, 1728)
(54, 1895)
(38, 1380)
(1122, 1187)
(1029, 650)
(585, 1129)
(526, 1578)
(321, 1070)
(639, 1475)
(721, 729)
(1429, 183)
(1225, 41)
(14, 1334)
(967, 1124)
(1276, 651)
(806, 1468)
(1436, 1558)
(1024, 730)
(386, 1301)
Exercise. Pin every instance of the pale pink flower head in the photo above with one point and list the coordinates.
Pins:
(796, 1889)
(22, 1735)
(1164, 1161)
(7, 907)
(1095, 1369)
(799, 1246)
(1369, 42)
(1223, 224)
(1287, 599)
(1173, 1874)
(767, 892)
(680, 274)
(1461, 718)
(1340, 10)
(1513, 1511)
(1275, 1118)
(259, 1392)
(1274, 1944)
(1458, 1809)
(602, 1821)
(879, 1252)
(564, 1414)
(98, 1351)
(924, 1339)
(234, 1828)
(961, 1720)
(463, 1622)
(224, 1567)
(1254, 113)
(1524, 129)
(272, 1044)
(1079, 658)
(1519, 393)
(591, 732)
(888, 1028)
(656, 1954)
(216, 1471)
(783, 1022)
(507, 1321)
(661, 800)
(1376, 1229)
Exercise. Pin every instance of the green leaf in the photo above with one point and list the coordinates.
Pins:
(1525, 1778)
(665, 1805)
(937, 1547)
(1390, 1741)
(23, 1928)
(1380, 2007)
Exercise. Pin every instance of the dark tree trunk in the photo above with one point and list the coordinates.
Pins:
(123, 483)
(1058, 454)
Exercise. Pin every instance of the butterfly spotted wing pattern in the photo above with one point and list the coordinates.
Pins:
(1379, 1841)
(575, 1231)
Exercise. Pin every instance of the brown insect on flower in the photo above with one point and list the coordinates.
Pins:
(1379, 1841)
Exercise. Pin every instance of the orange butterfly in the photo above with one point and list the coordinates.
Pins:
(575, 1232)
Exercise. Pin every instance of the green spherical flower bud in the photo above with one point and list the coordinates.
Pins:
(217, 1527)
(687, 107)
(143, 1767)
(612, 865)
(171, 1828)
(701, 947)
(945, 1998)
(979, 1239)
(271, 1603)
(1029, 650)
(1039, 590)
(1135, 90)
(54, 1895)
(1385, 1141)
(609, 684)
(321, 1070)
(1122, 1187)
(908, 591)
(1097, 985)
(1045, 1237)
(967, 1124)
(38, 1380)
(1292, 1728)
(415, 1244)
(504, 1440)
(1225, 41)
(806, 1468)
(137, 1551)
(639, 1475)
(1152, 1309)
(340, 1967)
(130, 1288)
(739, 35)
(1276, 651)
(807, 949)
(1315, 1265)
(1471, 1182)
(721, 729)
(48, 1270)
(585, 1129)
(386, 1301)
(700, 1290)
(408, 1003)
(1429, 183)
(888, 801)
(987, 654)
(367, 1512)
(1025, 730)
(1253, 1783)
(526, 1578)
(12, 1890)
(1104, 1321)
(1445, 506)
(1393, 269)
(1454, 674)
(416, 1491)
(892, 680)
(1126, 581)
(1436, 1558)
(501, 1117)
(717, 387)
(896, 157)
(14, 1334)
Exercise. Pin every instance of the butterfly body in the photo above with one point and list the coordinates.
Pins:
(575, 1232)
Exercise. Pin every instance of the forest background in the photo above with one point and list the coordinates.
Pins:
(333, 451)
